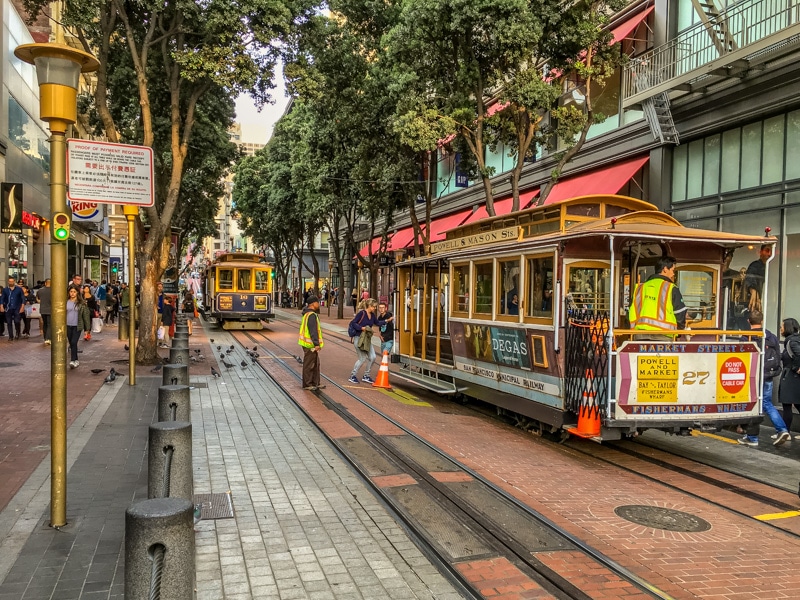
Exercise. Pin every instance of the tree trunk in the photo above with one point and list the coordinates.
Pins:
(147, 311)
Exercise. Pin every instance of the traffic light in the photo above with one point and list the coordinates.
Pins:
(272, 274)
(115, 268)
(61, 222)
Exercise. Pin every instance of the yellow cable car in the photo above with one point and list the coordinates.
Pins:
(237, 291)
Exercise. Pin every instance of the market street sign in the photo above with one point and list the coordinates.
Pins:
(108, 173)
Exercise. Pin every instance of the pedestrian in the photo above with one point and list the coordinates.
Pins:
(189, 308)
(94, 311)
(77, 283)
(112, 304)
(101, 295)
(755, 276)
(167, 322)
(354, 299)
(360, 332)
(658, 303)
(12, 304)
(78, 320)
(30, 300)
(45, 308)
(311, 342)
(2, 315)
(789, 391)
(386, 324)
(772, 368)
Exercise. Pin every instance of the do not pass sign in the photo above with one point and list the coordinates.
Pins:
(733, 375)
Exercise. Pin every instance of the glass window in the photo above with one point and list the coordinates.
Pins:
(261, 281)
(461, 288)
(483, 288)
(750, 204)
(711, 165)
(697, 287)
(773, 150)
(540, 287)
(793, 145)
(790, 290)
(679, 157)
(589, 288)
(226, 279)
(605, 101)
(751, 155)
(26, 135)
(510, 294)
(244, 280)
(695, 177)
(731, 148)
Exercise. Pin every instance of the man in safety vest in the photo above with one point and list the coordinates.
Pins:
(311, 341)
(658, 303)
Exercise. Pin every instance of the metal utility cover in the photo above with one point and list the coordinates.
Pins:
(214, 506)
(662, 518)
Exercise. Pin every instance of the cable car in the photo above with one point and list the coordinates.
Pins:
(237, 291)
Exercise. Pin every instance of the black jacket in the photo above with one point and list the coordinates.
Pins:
(790, 379)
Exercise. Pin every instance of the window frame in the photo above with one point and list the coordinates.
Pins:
(586, 264)
(532, 319)
(474, 314)
(498, 299)
(454, 312)
(220, 270)
(714, 270)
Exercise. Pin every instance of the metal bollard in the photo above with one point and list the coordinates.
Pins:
(169, 460)
(180, 343)
(159, 549)
(182, 328)
(174, 403)
(122, 326)
(175, 375)
(179, 356)
(181, 335)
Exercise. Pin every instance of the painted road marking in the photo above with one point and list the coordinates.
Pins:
(714, 436)
(783, 515)
(404, 398)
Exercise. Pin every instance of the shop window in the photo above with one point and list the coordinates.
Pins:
(508, 284)
(694, 179)
(731, 149)
(679, 159)
(793, 145)
(711, 165)
(589, 287)
(483, 288)
(226, 279)
(540, 287)
(751, 155)
(262, 277)
(772, 164)
(461, 288)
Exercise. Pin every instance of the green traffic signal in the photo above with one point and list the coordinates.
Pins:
(115, 268)
(61, 223)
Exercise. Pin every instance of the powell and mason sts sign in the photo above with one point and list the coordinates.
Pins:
(478, 239)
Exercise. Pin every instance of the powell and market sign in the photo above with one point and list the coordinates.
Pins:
(479, 239)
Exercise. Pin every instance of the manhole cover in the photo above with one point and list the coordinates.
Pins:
(662, 518)
(215, 506)
(3, 365)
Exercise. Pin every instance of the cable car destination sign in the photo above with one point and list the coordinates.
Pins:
(108, 173)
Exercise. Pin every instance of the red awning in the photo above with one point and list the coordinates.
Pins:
(624, 30)
(608, 180)
(495, 108)
(441, 225)
(401, 239)
(372, 248)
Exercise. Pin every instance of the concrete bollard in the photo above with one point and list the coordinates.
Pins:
(179, 356)
(170, 442)
(175, 375)
(182, 328)
(180, 343)
(153, 525)
(174, 403)
(181, 335)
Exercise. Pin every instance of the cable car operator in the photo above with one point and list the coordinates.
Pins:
(658, 303)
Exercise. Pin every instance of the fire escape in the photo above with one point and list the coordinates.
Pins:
(722, 44)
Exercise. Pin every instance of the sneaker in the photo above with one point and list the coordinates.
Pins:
(77, 364)
(781, 438)
(72, 364)
(25, 335)
(310, 388)
(48, 342)
(353, 379)
(367, 379)
(319, 387)
(745, 441)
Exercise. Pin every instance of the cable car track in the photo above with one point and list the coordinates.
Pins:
(514, 546)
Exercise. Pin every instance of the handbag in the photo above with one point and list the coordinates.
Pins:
(365, 340)
(160, 332)
(97, 325)
(33, 310)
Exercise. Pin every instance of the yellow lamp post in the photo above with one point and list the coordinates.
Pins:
(58, 68)
(131, 212)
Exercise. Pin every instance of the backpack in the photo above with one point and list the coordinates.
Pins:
(772, 356)
(351, 330)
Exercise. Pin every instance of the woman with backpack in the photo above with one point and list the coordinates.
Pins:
(790, 377)
(360, 332)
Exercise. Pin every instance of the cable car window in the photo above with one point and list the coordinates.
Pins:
(589, 288)
(483, 288)
(244, 280)
(510, 294)
(540, 287)
(226, 279)
(616, 211)
(261, 280)
(697, 286)
(461, 288)
(584, 210)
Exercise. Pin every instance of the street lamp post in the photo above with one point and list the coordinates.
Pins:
(58, 68)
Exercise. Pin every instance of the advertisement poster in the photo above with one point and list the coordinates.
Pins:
(11, 208)
(499, 345)
(655, 379)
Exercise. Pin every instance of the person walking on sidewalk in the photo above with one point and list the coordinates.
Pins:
(189, 308)
(45, 309)
(360, 332)
(167, 321)
(94, 310)
(772, 368)
(78, 320)
(311, 342)
(789, 391)
(12, 305)
(30, 300)
(386, 324)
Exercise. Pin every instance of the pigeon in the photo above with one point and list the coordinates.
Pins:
(255, 348)
(244, 363)
(222, 356)
(157, 368)
(126, 347)
(198, 513)
(228, 351)
(227, 364)
(193, 359)
(219, 347)
(111, 376)
(97, 371)
(200, 357)
(197, 350)
(215, 373)
(233, 347)
(212, 340)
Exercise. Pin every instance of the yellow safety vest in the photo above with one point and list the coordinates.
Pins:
(651, 308)
(305, 336)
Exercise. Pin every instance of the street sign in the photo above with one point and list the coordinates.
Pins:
(108, 173)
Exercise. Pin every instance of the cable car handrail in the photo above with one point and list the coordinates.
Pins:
(689, 332)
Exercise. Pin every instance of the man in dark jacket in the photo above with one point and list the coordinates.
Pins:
(12, 303)
(311, 341)
(44, 296)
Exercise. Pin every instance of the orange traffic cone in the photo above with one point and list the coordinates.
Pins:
(382, 380)
(589, 413)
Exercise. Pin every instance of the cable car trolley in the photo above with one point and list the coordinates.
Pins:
(529, 312)
(237, 291)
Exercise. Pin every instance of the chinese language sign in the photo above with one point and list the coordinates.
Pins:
(109, 173)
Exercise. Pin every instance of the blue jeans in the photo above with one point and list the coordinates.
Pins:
(362, 358)
(387, 347)
(770, 410)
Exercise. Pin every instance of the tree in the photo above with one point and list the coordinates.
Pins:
(192, 50)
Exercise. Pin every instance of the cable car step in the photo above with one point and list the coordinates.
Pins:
(429, 383)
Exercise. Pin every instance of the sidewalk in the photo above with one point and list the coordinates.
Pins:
(305, 526)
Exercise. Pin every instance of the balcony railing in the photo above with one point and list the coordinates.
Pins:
(741, 30)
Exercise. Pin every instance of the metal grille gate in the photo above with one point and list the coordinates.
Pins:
(586, 360)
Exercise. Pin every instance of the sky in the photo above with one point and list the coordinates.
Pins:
(257, 126)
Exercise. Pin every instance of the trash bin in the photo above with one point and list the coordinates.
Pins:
(122, 325)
